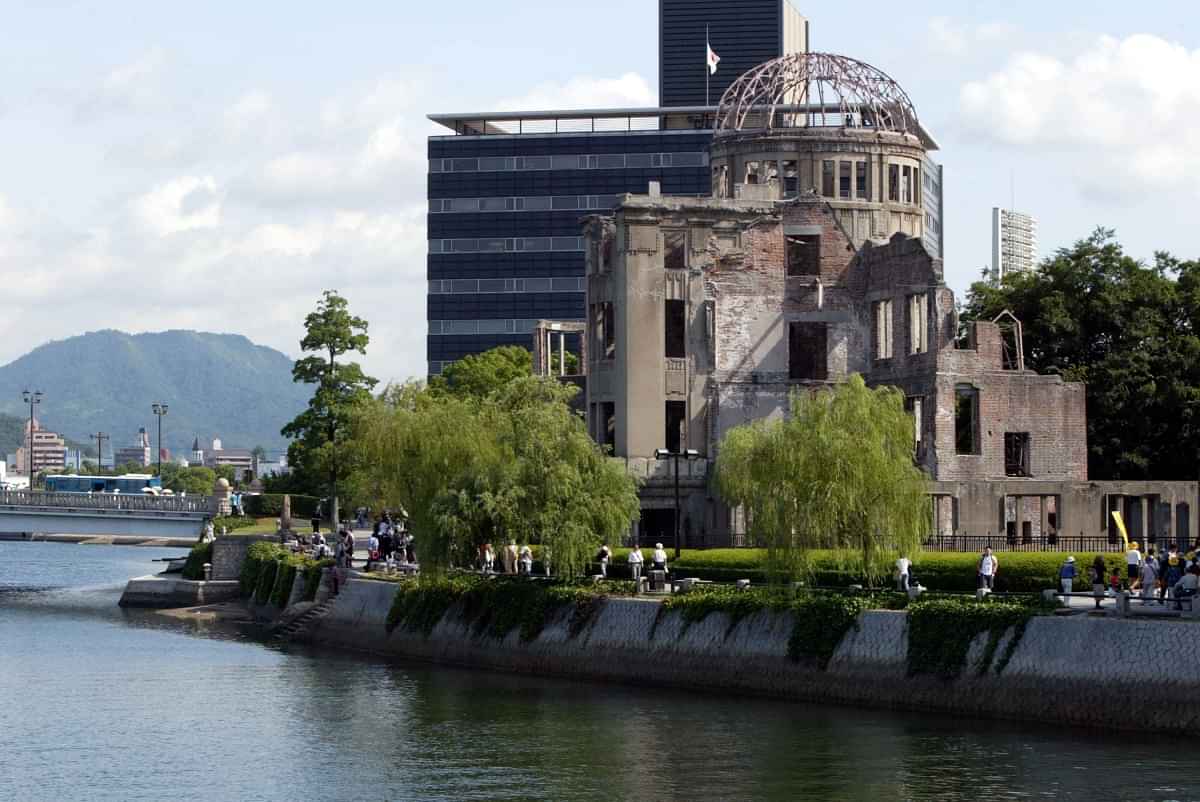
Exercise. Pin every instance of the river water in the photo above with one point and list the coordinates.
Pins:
(101, 704)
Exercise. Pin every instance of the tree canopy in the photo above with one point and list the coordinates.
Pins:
(1131, 331)
(837, 474)
(515, 464)
(478, 375)
(331, 333)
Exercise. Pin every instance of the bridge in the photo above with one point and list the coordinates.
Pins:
(103, 514)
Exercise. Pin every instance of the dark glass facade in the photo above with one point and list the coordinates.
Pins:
(480, 262)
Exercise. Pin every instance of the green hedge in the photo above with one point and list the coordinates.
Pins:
(270, 505)
(233, 522)
(1020, 572)
(312, 577)
(269, 571)
(200, 554)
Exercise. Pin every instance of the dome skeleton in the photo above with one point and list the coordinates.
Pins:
(804, 85)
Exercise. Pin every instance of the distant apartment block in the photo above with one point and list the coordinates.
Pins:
(49, 451)
(1014, 243)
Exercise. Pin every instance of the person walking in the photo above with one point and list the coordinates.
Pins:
(1149, 577)
(510, 557)
(903, 574)
(372, 550)
(635, 562)
(349, 541)
(317, 513)
(1066, 576)
(1097, 576)
(488, 558)
(1133, 565)
(659, 557)
(603, 557)
(988, 568)
(526, 561)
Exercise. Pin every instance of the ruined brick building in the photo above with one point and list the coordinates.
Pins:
(807, 264)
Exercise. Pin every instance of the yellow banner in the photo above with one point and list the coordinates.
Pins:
(1121, 528)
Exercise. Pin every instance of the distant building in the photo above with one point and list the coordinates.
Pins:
(266, 468)
(240, 459)
(138, 453)
(1014, 243)
(197, 453)
(49, 451)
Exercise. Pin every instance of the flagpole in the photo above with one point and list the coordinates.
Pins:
(707, 69)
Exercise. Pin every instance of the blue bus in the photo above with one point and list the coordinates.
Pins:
(135, 483)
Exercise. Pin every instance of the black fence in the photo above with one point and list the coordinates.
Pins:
(975, 543)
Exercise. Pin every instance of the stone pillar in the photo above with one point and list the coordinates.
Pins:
(220, 498)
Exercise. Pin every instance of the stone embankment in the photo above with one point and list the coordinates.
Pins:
(1077, 670)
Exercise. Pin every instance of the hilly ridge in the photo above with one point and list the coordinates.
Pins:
(216, 385)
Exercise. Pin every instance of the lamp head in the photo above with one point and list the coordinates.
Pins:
(661, 453)
(692, 453)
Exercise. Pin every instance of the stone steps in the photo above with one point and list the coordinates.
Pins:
(300, 624)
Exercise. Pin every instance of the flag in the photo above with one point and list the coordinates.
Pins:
(1121, 527)
(713, 59)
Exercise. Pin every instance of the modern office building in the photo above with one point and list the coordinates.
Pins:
(1014, 243)
(507, 190)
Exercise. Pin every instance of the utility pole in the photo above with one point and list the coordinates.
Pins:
(159, 409)
(31, 398)
(100, 437)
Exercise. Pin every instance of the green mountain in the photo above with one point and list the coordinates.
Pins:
(215, 385)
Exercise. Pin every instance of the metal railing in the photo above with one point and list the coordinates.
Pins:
(1082, 543)
(126, 502)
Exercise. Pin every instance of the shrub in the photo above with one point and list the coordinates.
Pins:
(232, 522)
(266, 582)
(312, 577)
(258, 556)
(270, 505)
(200, 554)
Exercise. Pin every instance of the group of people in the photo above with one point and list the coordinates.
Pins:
(390, 543)
(513, 559)
(637, 560)
(1154, 576)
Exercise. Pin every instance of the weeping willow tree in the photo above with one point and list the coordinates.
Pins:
(837, 474)
(516, 464)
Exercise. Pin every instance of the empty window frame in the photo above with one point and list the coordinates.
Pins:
(914, 405)
(608, 417)
(827, 178)
(907, 184)
(609, 329)
(893, 187)
(807, 352)
(845, 179)
(675, 320)
(862, 181)
(804, 255)
(753, 172)
(791, 179)
(675, 249)
(966, 420)
(918, 324)
(676, 426)
(1016, 454)
(883, 329)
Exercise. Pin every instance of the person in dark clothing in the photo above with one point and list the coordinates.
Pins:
(318, 513)
(1098, 570)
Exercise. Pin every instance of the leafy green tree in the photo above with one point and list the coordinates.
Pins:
(318, 431)
(515, 465)
(1131, 332)
(478, 375)
(193, 480)
(837, 474)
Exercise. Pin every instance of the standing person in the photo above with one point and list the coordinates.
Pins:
(1066, 575)
(1133, 565)
(1097, 576)
(989, 566)
(489, 558)
(372, 550)
(635, 562)
(903, 573)
(1174, 573)
(526, 561)
(603, 557)
(546, 560)
(318, 511)
(510, 557)
(349, 536)
(1149, 576)
(660, 558)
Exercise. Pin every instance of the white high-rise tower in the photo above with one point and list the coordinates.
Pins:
(1014, 243)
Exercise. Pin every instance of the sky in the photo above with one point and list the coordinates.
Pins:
(216, 165)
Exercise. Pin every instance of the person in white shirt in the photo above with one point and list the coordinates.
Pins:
(903, 570)
(635, 562)
(1133, 564)
(988, 566)
(602, 557)
(660, 558)
(526, 560)
(1149, 577)
(372, 550)
(489, 558)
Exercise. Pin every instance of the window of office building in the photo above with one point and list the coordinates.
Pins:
(676, 329)
(676, 415)
(608, 423)
(804, 255)
(827, 178)
(807, 352)
(966, 420)
(883, 329)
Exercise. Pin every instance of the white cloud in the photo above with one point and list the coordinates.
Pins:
(1126, 111)
(181, 204)
(125, 88)
(952, 38)
(249, 112)
(628, 90)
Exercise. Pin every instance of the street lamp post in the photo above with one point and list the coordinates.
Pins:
(688, 454)
(159, 409)
(100, 437)
(31, 398)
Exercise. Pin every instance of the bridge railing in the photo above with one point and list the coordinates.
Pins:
(127, 502)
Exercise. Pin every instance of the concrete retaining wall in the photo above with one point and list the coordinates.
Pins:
(229, 552)
(1076, 670)
(159, 590)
